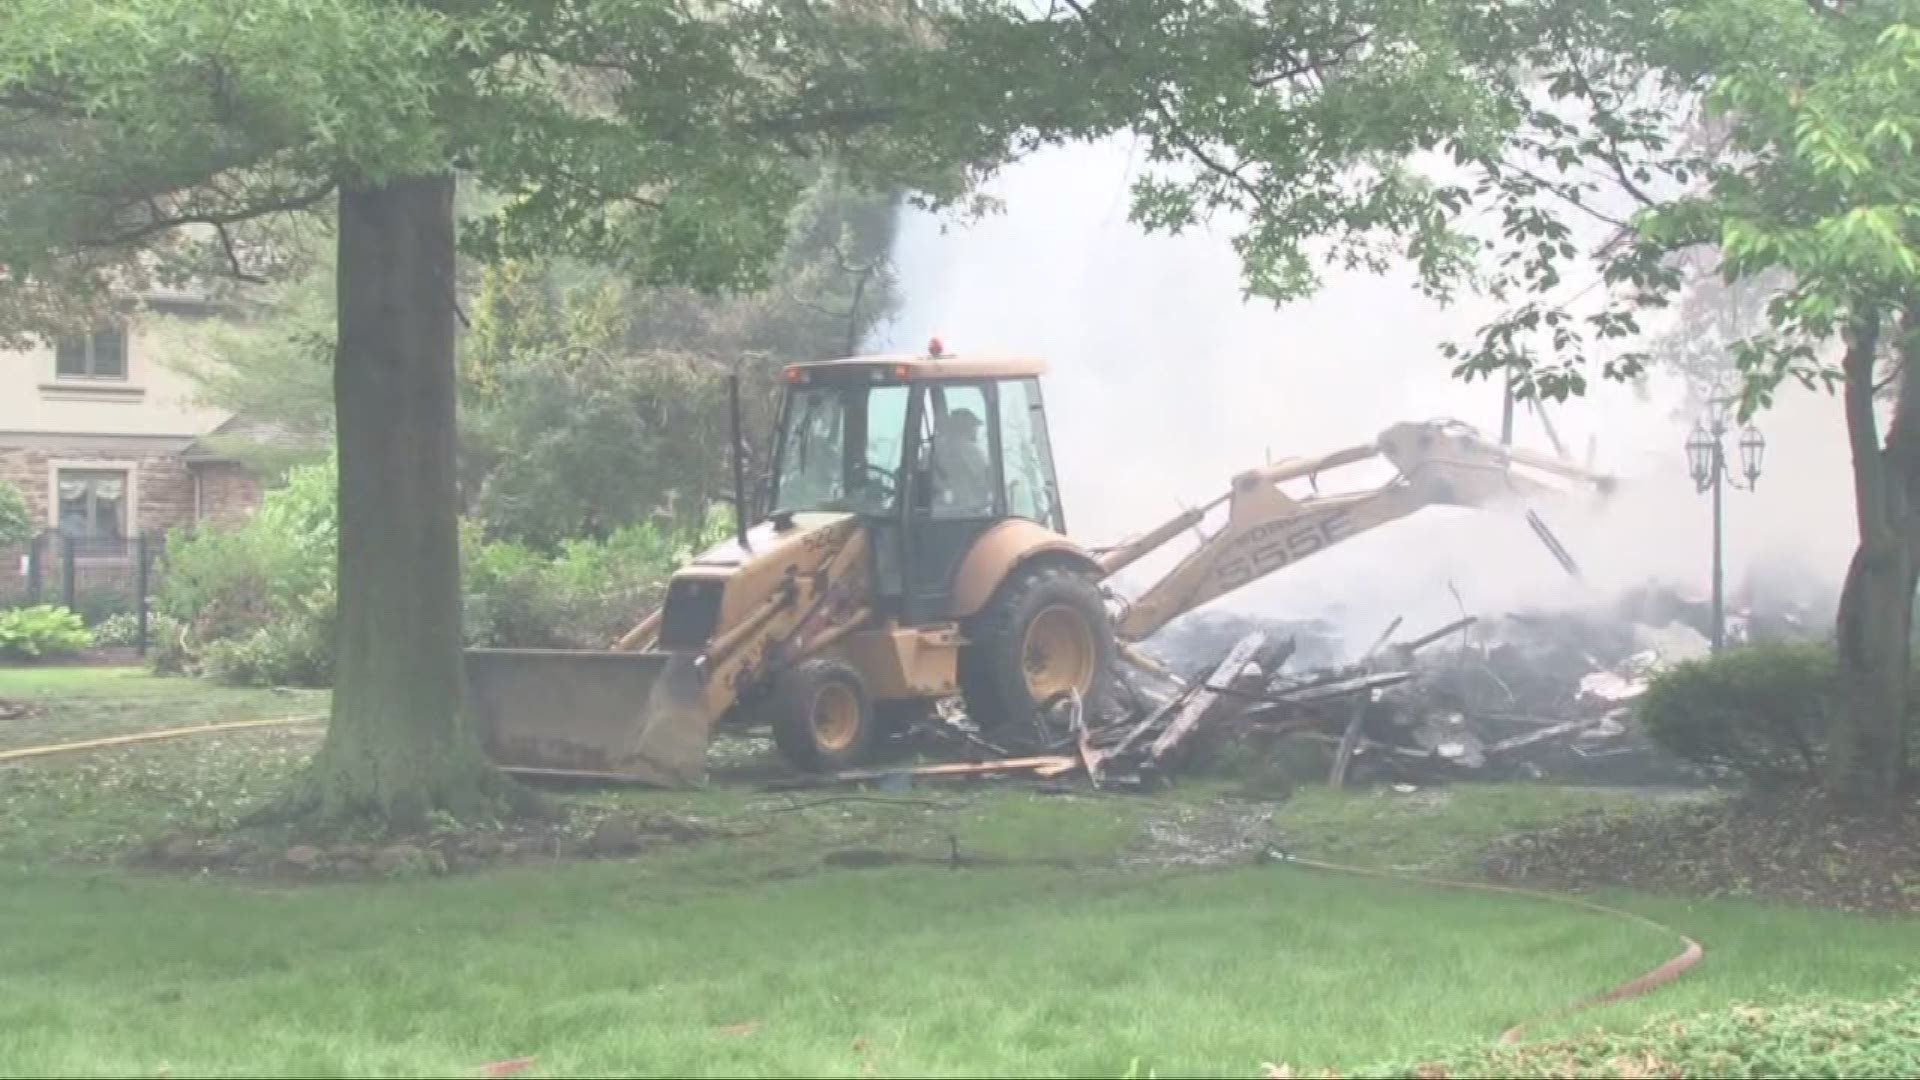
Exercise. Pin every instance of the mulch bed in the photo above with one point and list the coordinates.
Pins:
(1792, 847)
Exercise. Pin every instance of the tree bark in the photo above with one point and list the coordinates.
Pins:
(398, 747)
(1867, 749)
(1867, 744)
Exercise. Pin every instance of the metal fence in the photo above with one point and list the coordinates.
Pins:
(97, 578)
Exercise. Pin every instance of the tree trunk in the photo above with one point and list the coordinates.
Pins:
(1867, 744)
(399, 746)
(1867, 750)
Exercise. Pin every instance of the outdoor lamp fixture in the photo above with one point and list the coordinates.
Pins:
(1753, 447)
(1701, 459)
(1707, 464)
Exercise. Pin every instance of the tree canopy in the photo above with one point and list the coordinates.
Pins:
(586, 402)
(1800, 192)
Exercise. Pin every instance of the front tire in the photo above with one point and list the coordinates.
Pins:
(1045, 633)
(820, 715)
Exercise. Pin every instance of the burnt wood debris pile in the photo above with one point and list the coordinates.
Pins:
(1544, 695)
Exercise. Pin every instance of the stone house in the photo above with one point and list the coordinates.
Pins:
(106, 443)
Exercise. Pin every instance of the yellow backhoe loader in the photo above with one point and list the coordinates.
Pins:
(914, 547)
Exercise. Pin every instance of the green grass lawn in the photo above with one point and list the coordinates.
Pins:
(753, 955)
(74, 703)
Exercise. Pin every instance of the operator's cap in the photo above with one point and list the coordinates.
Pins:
(963, 418)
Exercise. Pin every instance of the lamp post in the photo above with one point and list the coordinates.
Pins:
(1707, 461)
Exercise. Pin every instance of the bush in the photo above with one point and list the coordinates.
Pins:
(254, 602)
(507, 602)
(42, 630)
(1813, 1036)
(168, 650)
(16, 524)
(292, 652)
(256, 599)
(98, 607)
(227, 581)
(584, 597)
(1759, 712)
(123, 631)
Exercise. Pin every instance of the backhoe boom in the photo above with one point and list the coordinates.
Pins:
(1440, 463)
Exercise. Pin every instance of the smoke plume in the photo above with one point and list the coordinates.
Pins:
(1163, 382)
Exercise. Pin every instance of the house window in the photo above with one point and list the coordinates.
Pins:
(99, 355)
(93, 508)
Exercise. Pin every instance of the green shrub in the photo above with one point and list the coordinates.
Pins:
(1814, 1036)
(292, 652)
(226, 581)
(120, 631)
(16, 524)
(255, 600)
(1757, 711)
(97, 607)
(168, 648)
(123, 631)
(584, 596)
(506, 595)
(41, 630)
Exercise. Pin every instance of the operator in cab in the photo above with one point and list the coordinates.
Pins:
(960, 462)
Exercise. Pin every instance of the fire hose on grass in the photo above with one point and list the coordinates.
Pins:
(1672, 968)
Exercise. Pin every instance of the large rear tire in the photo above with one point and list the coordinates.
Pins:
(820, 715)
(1046, 631)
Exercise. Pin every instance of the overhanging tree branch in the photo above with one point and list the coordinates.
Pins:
(1614, 158)
(166, 223)
(1174, 128)
(233, 258)
(1554, 188)
(1298, 68)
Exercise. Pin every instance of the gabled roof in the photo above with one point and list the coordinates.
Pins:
(214, 445)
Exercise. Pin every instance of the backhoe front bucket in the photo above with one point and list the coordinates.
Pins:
(639, 716)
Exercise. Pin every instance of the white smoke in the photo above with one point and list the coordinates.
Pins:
(1163, 382)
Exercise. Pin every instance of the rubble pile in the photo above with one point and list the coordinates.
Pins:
(1533, 694)
(1199, 640)
(1540, 694)
(1526, 694)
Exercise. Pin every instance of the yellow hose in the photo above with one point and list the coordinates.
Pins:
(150, 736)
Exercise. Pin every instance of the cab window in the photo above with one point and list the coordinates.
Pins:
(840, 448)
(1027, 459)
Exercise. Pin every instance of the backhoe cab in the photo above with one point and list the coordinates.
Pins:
(913, 547)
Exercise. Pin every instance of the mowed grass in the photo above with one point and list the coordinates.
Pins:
(604, 969)
(753, 954)
(1438, 830)
(105, 799)
(68, 704)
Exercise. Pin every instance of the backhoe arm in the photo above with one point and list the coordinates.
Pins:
(1440, 463)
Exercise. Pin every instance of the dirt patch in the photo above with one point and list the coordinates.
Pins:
(582, 833)
(1796, 848)
(1214, 834)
